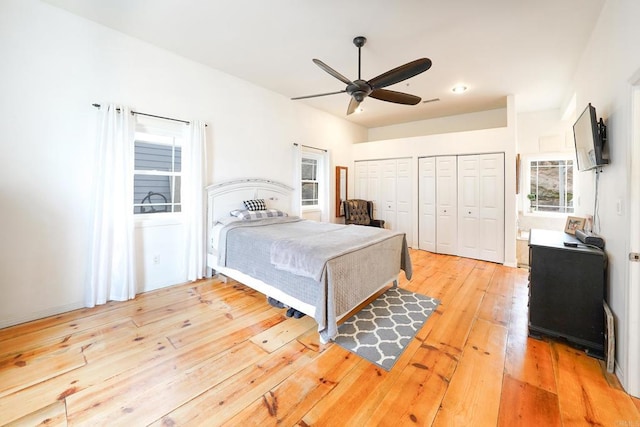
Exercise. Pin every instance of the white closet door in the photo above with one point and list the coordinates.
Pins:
(373, 186)
(446, 202)
(362, 179)
(427, 206)
(491, 244)
(403, 199)
(388, 195)
(468, 206)
(481, 207)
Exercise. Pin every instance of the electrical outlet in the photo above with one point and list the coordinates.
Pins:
(156, 259)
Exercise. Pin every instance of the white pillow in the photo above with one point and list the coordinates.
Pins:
(226, 220)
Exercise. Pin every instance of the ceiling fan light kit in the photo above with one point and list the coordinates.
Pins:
(360, 89)
(458, 89)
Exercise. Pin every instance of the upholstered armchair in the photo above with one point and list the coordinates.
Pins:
(360, 212)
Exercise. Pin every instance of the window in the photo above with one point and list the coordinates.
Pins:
(310, 181)
(157, 173)
(551, 185)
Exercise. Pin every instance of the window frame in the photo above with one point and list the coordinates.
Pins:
(318, 181)
(166, 137)
(525, 189)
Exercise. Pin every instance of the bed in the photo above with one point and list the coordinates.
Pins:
(323, 270)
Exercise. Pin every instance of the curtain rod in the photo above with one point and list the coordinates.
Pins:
(308, 146)
(152, 115)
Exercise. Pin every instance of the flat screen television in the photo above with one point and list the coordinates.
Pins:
(590, 136)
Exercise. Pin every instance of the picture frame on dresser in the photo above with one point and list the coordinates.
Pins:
(574, 223)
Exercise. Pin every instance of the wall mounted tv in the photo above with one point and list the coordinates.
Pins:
(590, 136)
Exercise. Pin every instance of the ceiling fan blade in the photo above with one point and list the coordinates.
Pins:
(320, 94)
(400, 73)
(353, 104)
(393, 96)
(333, 72)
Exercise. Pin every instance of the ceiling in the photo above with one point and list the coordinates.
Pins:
(494, 47)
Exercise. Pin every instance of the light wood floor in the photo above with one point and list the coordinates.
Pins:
(212, 353)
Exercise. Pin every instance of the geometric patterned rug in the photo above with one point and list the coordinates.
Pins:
(382, 330)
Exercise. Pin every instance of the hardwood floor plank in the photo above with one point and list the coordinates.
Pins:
(584, 395)
(311, 340)
(532, 363)
(473, 396)
(141, 397)
(224, 400)
(415, 397)
(345, 401)
(52, 415)
(504, 279)
(21, 374)
(199, 301)
(453, 327)
(187, 350)
(524, 405)
(74, 316)
(359, 393)
(494, 308)
(275, 337)
(288, 402)
(224, 324)
(136, 356)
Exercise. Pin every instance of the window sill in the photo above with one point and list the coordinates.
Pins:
(157, 220)
(543, 214)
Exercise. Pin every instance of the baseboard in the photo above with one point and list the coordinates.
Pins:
(53, 311)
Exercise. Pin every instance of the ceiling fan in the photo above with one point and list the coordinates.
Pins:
(360, 89)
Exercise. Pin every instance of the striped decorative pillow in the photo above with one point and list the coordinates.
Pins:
(265, 213)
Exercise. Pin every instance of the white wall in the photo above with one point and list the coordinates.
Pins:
(54, 66)
(472, 142)
(543, 133)
(488, 119)
(603, 78)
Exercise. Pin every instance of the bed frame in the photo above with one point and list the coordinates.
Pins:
(226, 196)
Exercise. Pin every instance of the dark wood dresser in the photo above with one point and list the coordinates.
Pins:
(567, 287)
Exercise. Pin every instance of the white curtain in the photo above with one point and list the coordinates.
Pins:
(325, 200)
(194, 159)
(112, 268)
(297, 178)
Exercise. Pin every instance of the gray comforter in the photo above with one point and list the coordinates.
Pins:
(330, 266)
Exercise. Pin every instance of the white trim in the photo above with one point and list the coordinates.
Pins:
(525, 169)
(631, 373)
(51, 311)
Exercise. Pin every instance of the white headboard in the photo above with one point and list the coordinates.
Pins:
(226, 196)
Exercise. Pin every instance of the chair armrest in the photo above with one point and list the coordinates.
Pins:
(377, 223)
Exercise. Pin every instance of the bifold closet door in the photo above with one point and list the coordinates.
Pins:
(427, 204)
(387, 210)
(388, 186)
(403, 200)
(481, 207)
(367, 185)
(446, 205)
(373, 182)
(362, 179)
